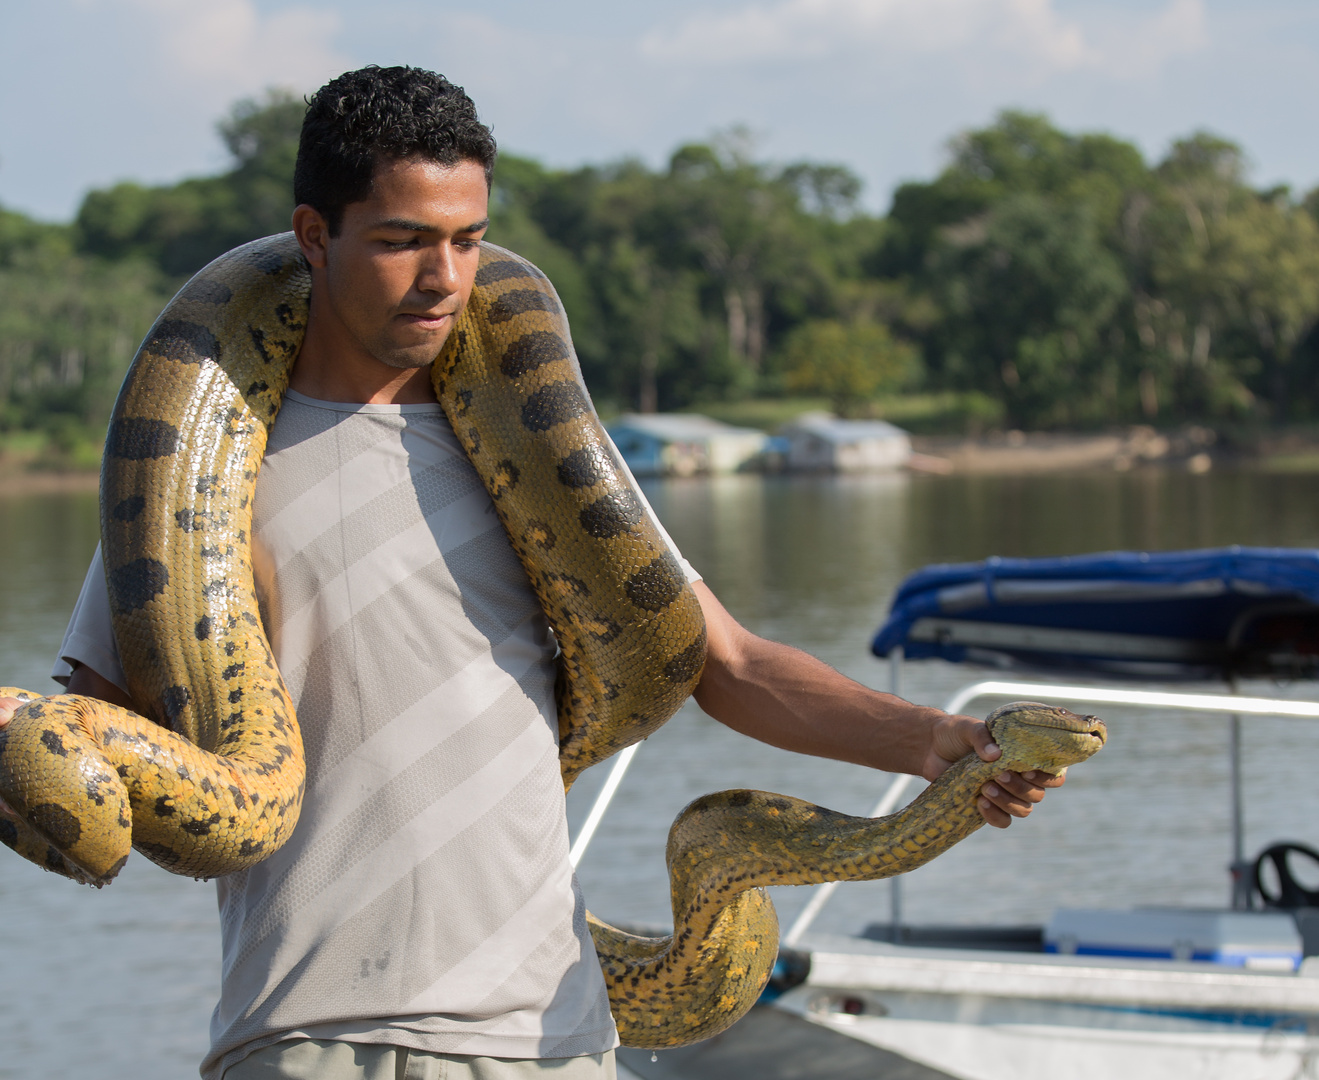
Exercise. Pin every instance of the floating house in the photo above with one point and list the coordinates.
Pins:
(684, 444)
(822, 443)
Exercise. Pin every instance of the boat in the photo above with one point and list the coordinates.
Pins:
(1228, 993)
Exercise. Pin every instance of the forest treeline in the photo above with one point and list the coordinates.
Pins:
(1042, 280)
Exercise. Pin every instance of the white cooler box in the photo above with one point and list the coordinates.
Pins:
(1266, 941)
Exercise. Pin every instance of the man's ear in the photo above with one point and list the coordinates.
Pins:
(313, 233)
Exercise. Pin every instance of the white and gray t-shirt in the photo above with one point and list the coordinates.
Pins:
(425, 898)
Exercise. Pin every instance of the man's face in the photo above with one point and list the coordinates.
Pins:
(402, 267)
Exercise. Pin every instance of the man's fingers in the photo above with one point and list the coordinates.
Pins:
(1011, 794)
(7, 707)
(992, 814)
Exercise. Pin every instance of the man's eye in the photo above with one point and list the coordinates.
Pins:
(400, 245)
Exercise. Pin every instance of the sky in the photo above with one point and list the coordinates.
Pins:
(96, 91)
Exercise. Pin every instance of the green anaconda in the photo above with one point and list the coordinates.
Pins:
(209, 781)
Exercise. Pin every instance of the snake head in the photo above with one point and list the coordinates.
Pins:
(1044, 737)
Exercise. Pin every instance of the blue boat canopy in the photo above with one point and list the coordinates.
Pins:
(1168, 615)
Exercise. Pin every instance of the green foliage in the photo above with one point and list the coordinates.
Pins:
(850, 363)
(182, 227)
(1042, 279)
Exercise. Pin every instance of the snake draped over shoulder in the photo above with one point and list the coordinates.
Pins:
(210, 780)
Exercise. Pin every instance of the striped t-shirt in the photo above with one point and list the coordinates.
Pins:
(425, 898)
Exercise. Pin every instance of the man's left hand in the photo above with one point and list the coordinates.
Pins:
(1005, 796)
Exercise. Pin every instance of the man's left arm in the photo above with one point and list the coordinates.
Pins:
(787, 698)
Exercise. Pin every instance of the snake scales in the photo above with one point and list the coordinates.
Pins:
(210, 780)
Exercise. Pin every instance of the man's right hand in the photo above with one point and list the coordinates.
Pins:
(7, 707)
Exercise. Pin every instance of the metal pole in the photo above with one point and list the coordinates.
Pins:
(1239, 869)
(601, 804)
(895, 659)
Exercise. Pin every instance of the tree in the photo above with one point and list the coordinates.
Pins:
(847, 362)
(181, 227)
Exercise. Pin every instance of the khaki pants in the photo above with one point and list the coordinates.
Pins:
(317, 1059)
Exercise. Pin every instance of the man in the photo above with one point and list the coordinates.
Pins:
(423, 919)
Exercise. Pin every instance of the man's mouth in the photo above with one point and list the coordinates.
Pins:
(427, 320)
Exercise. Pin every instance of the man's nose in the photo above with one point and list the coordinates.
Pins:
(439, 272)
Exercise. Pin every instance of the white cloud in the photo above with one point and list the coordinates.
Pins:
(215, 51)
(987, 32)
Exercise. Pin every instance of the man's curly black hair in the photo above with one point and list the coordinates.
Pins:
(375, 115)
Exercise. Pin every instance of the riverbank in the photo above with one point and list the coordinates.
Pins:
(1194, 449)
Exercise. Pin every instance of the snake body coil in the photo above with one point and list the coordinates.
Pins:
(212, 781)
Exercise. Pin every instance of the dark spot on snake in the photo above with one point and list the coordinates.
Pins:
(128, 509)
(268, 262)
(249, 618)
(687, 664)
(206, 485)
(200, 827)
(219, 585)
(164, 806)
(235, 695)
(540, 534)
(554, 404)
(257, 387)
(136, 583)
(204, 291)
(137, 439)
(259, 343)
(249, 848)
(230, 720)
(284, 313)
(8, 833)
(473, 444)
(604, 630)
(172, 703)
(505, 479)
(655, 587)
(492, 272)
(56, 824)
(778, 804)
(584, 467)
(158, 853)
(191, 520)
(230, 647)
(233, 671)
(611, 515)
(185, 342)
(203, 628)
(532, 351)
(55, 861)
(462, 402)
(237, 794)
(51, 741)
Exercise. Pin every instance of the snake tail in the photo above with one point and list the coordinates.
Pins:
(135, 785)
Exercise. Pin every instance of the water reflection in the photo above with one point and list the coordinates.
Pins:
(808, 561)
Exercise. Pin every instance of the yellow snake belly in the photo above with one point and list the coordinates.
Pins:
(210, 781)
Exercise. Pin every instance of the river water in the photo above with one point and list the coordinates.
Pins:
(119, 983)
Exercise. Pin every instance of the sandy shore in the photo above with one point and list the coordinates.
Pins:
(1019, 452)
(1004, 453)
(15, 481)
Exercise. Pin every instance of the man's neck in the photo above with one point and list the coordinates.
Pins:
(331, 368)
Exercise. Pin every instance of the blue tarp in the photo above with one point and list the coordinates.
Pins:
(1179, 614)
